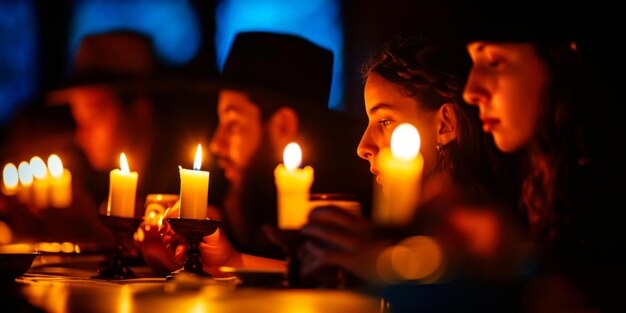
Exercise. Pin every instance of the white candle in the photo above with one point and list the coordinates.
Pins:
(293, 187)
(25, 175)
(194, 190)
(60, 183)
(402, 166)
(40, 184)
(122, 190)
(10, 179)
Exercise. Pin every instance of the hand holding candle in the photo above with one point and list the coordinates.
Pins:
(60, 183)
(194, 190)
(402, 166)
(293, 188)
(122, 190)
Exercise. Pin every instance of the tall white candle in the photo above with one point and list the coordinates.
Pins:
(122, 190)
(194, 190)
(60, 183)
(293, 186)
(40, 184)
(402, 166)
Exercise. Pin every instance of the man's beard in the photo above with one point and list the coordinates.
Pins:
(256, 201)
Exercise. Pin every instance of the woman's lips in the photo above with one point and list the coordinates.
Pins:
(489, 124)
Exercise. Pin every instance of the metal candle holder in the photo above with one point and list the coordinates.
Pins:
(123, 228)
(193, 230)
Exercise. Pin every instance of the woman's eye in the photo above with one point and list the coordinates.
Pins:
(495, 63)
(384, 123)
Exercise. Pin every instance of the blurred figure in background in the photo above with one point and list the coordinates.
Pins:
(123, 100)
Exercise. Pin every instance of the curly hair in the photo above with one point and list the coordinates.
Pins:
(434, 74)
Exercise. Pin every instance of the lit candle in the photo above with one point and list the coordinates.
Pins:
(293, 187)
(401, 166)
(194, 190)
(122, 190)
(10, 179)
(40, 184)
(25, 175)
(60, 183)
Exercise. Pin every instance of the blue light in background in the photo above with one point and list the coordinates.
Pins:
(173, 25)
(18, 55)
(317, 20)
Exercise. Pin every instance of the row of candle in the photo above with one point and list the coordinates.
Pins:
(402, 165)
(51, 185)
(39, 185)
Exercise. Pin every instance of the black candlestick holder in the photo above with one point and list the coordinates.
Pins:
(193, 230)
(123, 228)
(290, 241)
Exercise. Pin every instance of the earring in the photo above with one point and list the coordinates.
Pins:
(441, 150)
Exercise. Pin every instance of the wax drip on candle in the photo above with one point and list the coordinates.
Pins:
(292, 156)
(405, 142)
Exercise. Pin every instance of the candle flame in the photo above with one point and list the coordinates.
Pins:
(124, 164)
(25, 174)
(292, 156)
(38, 167)
(405, 142)
(197, 162)
(55, 166)
(9, 176)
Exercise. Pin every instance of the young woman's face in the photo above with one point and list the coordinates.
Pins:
(388, 106)
(508, 83)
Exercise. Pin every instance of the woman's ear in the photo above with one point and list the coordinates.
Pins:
(447, 124)
(282, 127)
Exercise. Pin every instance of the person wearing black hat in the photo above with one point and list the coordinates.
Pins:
(540, 95)
(121, 99)
(274, 89)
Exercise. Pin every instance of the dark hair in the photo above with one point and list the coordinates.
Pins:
(567, 178)
(435, 74)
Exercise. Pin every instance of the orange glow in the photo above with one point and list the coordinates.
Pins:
(292, 156)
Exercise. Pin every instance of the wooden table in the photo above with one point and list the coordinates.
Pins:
(55, 288)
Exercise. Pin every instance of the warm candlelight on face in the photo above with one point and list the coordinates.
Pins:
(194, 189)
(122, 190)
(10, 179)
(401, 166)
(40, 184)
(60, 183)
(293, 188)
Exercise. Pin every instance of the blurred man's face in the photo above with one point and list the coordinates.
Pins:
(238, 135)
(99, 126)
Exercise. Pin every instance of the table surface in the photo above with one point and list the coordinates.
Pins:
(65, 285)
